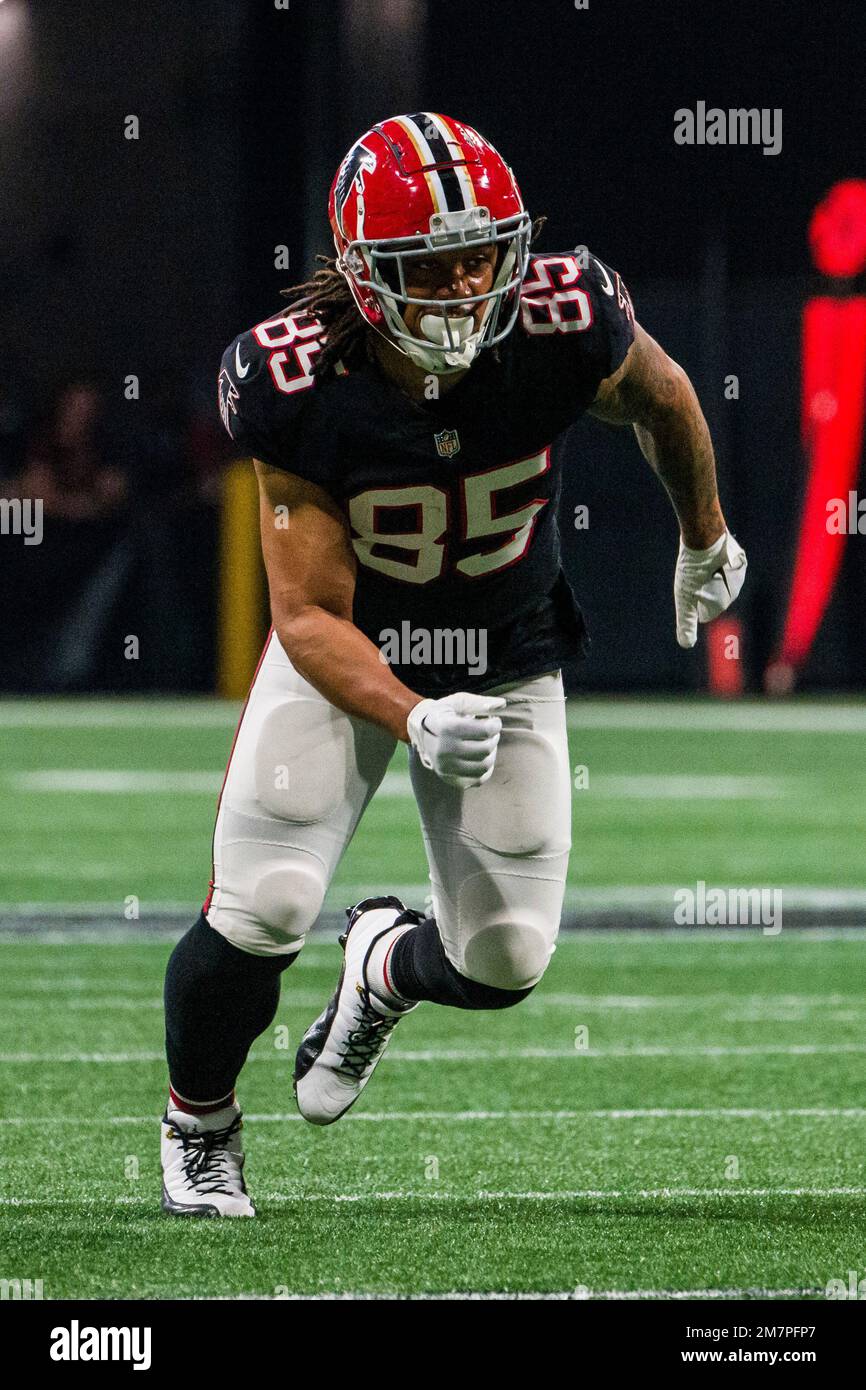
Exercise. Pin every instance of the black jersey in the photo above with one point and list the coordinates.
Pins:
(452, 502)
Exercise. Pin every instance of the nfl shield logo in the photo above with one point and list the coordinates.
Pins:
(447, 444)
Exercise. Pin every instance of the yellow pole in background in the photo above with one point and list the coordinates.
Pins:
(242, 615)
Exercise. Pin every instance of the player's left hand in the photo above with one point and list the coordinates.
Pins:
(706, 583)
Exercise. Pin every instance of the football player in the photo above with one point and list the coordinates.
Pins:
(400, 412)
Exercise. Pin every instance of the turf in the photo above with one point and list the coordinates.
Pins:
(710, 1137)
(470, 1164)
(789, 810)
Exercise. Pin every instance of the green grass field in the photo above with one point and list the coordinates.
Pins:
(668, 1112)
(103, 800)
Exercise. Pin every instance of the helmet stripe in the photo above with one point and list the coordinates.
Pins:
(460, 172)
(422, 149)
(435, 150)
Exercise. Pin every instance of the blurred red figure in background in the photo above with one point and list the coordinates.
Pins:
(833, 408)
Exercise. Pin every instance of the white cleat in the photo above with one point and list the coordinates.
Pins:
(340, 1051)
(203, 1164)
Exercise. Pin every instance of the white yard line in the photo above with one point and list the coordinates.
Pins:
(634, 1050)
(98, 1003)
(705, 716)
(479, 1116)
(101, 909)
(84, 996)
(564, 1295)
(638, 1003)
(337, 897)
(119, 714)
(112, 781)
(645, 896)
(119, 782)
(660, 1113)
(592, 1194)
(501, 1054)
(660, 786)
(590, 898)
(649, 786)
(570, 1194)
(505, 1196)
(741, 716)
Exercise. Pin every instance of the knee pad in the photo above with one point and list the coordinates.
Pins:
(507, 955)
(269, 910)
(302, 760)
(508, 926)
(287, 900)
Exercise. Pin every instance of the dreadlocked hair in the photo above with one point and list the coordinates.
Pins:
(327, 296)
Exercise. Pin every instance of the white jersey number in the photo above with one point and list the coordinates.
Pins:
(426, 541)
(295, 338)
(559, 306)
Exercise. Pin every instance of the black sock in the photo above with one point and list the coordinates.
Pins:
(218, 999)
(420, 969)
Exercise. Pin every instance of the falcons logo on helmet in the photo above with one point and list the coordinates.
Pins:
(358, 161)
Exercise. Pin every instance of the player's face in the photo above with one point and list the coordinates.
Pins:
(449, 275)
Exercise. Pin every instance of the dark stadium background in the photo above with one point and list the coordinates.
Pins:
(145, 257)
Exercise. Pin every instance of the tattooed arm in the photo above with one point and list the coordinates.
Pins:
(652, 393)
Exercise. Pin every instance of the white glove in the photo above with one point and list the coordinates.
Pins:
(706, 583)
(457, 737)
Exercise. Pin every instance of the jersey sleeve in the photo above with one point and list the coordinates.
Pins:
(613, 316)
(265, 389)
(582, 313)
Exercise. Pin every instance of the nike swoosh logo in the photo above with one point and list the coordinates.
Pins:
(606, 285)
(724, 578)
(241, 371)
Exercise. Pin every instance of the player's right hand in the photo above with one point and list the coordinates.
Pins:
(457, 737)
(706, 582)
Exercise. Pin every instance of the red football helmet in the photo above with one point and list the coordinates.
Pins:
(418, 184)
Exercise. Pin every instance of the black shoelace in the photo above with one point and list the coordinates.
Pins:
(205, 1162)
(365, 1043)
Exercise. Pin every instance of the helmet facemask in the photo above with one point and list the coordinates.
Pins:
(379, 267)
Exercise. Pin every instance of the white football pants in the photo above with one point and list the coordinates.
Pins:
(299, 778)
